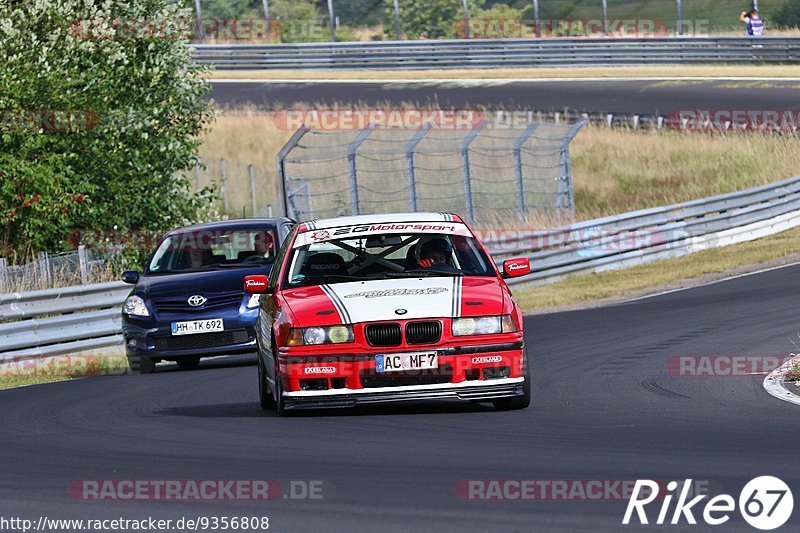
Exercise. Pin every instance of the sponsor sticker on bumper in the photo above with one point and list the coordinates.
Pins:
(398, 362)
(197, 326)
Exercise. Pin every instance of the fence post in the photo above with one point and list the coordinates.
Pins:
(351, 165)
(518, 143)
(83, 262)
(44, 269)
(411, 171)
(467, 171)
(565, 190)
(3, 275)
(280, 161)
(399, 31)
(252, 172)
(224, 185)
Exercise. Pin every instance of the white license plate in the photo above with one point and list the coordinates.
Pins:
(197, 326)
(398, 362)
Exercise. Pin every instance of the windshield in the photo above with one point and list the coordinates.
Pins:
(387, 256)
(214, 248)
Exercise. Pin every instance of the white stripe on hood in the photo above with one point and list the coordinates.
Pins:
(369, 301)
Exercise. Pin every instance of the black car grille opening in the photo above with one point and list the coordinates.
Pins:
(371, 379)
(384, 334)
(423, 332)
(202, 340)
(214, 302)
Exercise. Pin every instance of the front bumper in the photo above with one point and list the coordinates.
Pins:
(158, 343)
(477, 373)
(468, 390)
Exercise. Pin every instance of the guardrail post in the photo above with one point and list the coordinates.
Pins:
(280, 161)
(4, 276)
(521, 140)
(410, 170)
(83, 262)
(467, 171)
(224, 185)
(352, 150)
(252, 172)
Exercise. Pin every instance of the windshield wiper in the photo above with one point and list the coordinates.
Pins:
(262, 262)
(185, 270)
(320, 280)
(421, 274)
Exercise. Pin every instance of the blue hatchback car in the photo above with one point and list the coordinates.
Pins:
(190, 301)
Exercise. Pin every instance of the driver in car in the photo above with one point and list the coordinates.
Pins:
(435, 252)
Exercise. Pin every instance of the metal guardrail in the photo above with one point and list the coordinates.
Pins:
(89, 316)
(86, 317)
(488, 53)
(642, 236)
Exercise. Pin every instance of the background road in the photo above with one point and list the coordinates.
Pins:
(629, 96)
(604, 408)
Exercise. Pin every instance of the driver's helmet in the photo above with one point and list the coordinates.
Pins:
(439, 249)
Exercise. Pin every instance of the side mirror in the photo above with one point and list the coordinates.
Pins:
(258, 284)
(514, 268)
(131, 276)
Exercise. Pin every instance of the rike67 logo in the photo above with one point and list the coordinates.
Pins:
(765, 503)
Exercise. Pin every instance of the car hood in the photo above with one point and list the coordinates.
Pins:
(189, 283)
(395, 299)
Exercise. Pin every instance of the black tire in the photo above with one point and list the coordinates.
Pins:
(141, 365)
(265, 397)
(517, 402)
(188, 363)
(280, 403)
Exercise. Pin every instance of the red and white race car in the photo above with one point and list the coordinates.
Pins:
(383, 308)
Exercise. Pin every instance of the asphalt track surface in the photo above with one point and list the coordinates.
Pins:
(624, 96)
(604, 408)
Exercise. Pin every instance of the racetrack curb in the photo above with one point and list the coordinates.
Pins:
(777, 387)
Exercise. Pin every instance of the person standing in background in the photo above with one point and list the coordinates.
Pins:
(755, 26)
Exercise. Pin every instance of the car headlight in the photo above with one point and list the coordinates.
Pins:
(135, 306)
(483, 325)
(320, 335)
(254, 301)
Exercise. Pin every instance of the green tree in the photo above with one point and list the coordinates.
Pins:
(442, 19)
(787, 15)
(146, 106)
(226, 8)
